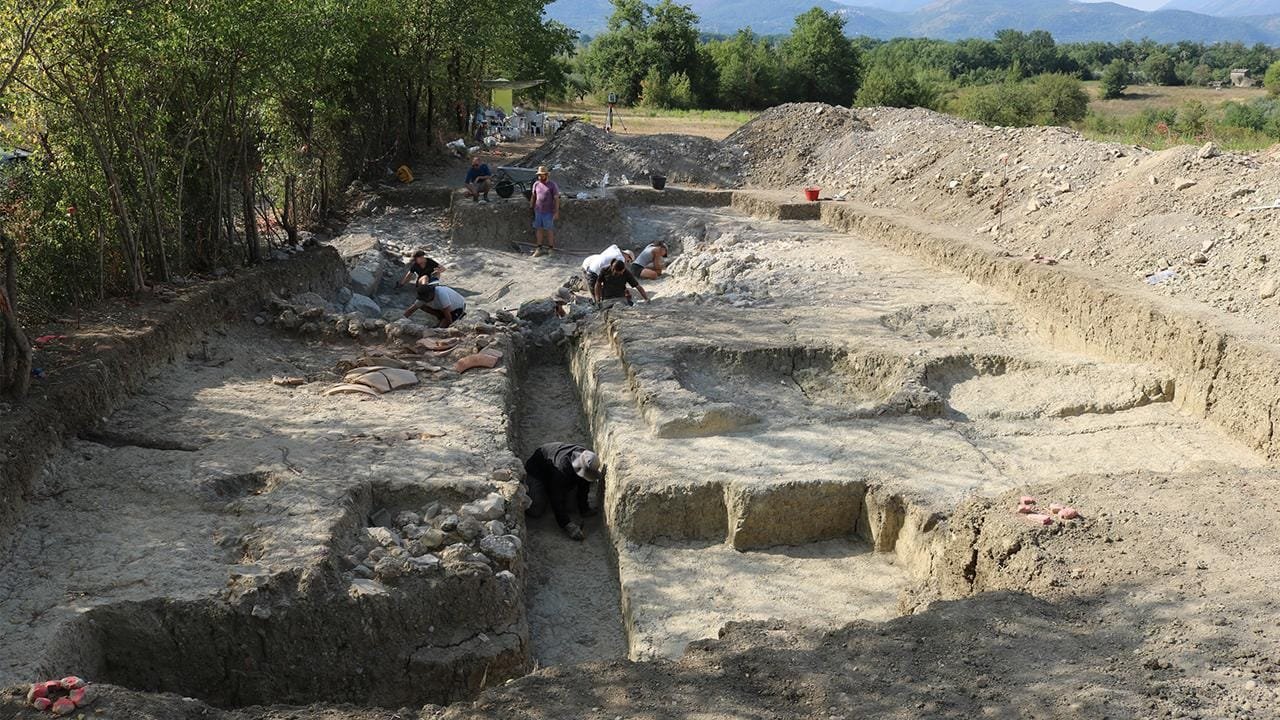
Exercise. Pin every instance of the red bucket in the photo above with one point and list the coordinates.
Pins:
(812, 193)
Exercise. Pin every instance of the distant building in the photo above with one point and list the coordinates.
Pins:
(1240, 78)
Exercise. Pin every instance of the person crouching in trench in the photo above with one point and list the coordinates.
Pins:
(556, 471)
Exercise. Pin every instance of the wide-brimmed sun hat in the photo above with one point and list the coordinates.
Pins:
(542, 170)
(587, 465)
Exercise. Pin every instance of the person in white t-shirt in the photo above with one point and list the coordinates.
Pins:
(594, 265)
(440, 301)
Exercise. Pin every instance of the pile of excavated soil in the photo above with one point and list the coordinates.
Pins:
(781, 144)
(580, 155)
(1124, 210)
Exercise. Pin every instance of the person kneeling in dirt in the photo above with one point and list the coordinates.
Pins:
(595, 265)
(420, 267)
(443, 302)
(556, 471)
(612, 283)
(479, 181)
(649, 264)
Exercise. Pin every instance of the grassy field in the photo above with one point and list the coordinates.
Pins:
(1130, 118)
(1138, 98)
(715, 124)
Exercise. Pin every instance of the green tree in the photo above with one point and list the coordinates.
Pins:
(1060, 99)
(748, 70)
(1160, 69)
(896, 86)
(820, 63)
(1115, 79)
(1272, 79)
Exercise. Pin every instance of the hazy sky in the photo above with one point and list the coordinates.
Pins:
(1140, 4)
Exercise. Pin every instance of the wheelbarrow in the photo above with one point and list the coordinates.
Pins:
(511, 177)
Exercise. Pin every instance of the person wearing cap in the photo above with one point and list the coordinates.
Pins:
(556, 471)
(545, 200)
(420, 267)
(445, 303)
(563, 298)
(593, 266)
(649, 264)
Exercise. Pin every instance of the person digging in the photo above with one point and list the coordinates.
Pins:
(420, 267)
(445, 303)
(612, 283)
(545, 201)
(651, 261)
(555, 472)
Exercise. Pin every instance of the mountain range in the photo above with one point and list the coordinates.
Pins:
(1067, 20)
(1225, 8)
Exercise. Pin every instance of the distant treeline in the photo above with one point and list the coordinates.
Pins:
(654, 55)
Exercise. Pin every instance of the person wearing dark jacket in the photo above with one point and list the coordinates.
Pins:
(555, 472)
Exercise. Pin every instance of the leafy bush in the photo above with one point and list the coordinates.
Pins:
(1009, 104)
(1060, 99)
(1050, 99)
(1272, 79)
(897, 86)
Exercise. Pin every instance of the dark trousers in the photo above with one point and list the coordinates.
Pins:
(549, 486)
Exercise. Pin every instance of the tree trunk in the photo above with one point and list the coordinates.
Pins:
(17, 358)
(290, 218)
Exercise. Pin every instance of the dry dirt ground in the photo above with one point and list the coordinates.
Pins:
(816, 448)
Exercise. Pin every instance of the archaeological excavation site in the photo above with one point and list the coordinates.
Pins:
(986, 430)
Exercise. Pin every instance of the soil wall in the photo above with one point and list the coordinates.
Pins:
(588, 224)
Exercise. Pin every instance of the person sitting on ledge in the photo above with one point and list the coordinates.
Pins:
(479, 181)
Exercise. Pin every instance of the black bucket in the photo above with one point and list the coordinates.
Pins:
(504, 188)
(659, 181)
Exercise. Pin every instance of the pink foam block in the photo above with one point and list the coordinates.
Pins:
(1026, 509)
(42, 703)
(63, 706)
(71, 682)
(78, 696)
(1027, 500)
(1069, 513)
(1055, 508)
(1040, 519)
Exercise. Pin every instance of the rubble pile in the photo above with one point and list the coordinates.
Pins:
(581, 155)
(480, 535)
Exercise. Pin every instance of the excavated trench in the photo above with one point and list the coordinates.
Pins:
(802, 471)
(572, 588)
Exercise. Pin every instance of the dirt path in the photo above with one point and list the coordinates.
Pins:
(573, 597)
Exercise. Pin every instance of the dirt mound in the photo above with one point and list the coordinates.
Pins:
(581, 155)
(779, 146)
(1178, 220)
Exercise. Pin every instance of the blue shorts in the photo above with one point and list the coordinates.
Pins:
(544, 221)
